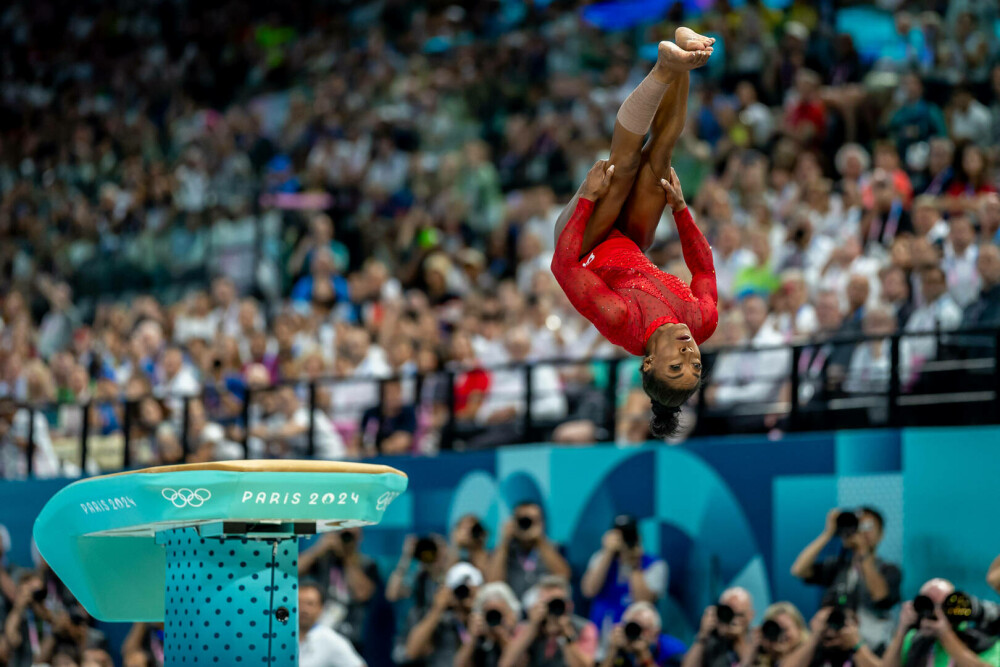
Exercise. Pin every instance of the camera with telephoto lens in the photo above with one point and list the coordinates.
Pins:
(524, 523)
(493, 617)
(962, 608)
(40, 594)
(847, 524)
(347, 538)
(633, 631)
(629, 529)
(837, 619)
(426, 550)
(462, 592)
(476, 531)
(724, 613)
(771, 630)
(557, 607)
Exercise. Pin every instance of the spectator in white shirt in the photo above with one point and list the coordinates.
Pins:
(319, 646)
(755, 115)
(729, 259)
(927, 220)
(793, 317)
(287, 431)
(15, 428)
(969, 118)
(175, 380)
(959, 263)
(939, 313)
(506, 397)
(870, 361)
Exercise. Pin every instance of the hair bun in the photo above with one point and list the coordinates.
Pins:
(666, 420)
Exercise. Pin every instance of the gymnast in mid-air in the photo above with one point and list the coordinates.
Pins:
(603, 232)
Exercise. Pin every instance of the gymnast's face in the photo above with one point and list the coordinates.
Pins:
(674, 357)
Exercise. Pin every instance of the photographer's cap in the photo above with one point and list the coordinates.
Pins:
(463, 573)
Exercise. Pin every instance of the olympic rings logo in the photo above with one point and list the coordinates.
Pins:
(187, 497)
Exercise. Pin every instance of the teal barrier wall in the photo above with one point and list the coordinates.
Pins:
(721, 511)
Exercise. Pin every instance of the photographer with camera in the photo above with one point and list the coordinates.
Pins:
(857, 576)
(722, 639)
(782, 632)
(430, 553)
(495, 613)
(621, 573)
(637, 641)
(552, 636)
(835, 640)
(437, 638)
(943, 628)
(351, 579)
(525, 555)
(468, 542)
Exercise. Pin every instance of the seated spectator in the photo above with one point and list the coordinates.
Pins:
(969, 119)
(350, 577)
(822, 364)
(916, 119)
(985, 311)
(552, 634)
(959, 262)
(175, 380)
(795, 319)
(319, 646)
(869, 370)
(638, 640)
(940, 172)
(16, 425)
(729, 258)
(287, 430)
(621, 573)
(495, 613)
(438, 637)
(723, 636)
(972, 178)
(935, 641)
(524, 554)
(895, 294)
(939, 313)
(834, 640)
(782, 633)
(857, 578)
(388, 427)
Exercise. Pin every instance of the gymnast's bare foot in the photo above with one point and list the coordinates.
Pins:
(671, 58)
(689, 40)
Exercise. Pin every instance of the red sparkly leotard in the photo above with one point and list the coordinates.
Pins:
(624, 294)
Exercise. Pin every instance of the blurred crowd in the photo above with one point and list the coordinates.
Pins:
(473, 599)
(198, 205)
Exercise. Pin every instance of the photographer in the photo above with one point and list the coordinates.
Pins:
(495, 612)
(835, 640)
(637, 640)
(621, 573)
(525, 554)
(431, 555)
(722, 639)
(782, 632)
(468, 542)
(437, 638)
(552, 636)
(351, 579)
(928, 635)
(993, 575)
(856, 578)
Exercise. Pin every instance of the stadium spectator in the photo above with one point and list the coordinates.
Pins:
(438, 637)
(319, 646)
(939, 312)
(552, 634)
(524, 554)
(350, 577)
(287, 431)
(870, 366)
(985, 310)
(723, 636)
(621, 573)
(857, 578)
(388, 427)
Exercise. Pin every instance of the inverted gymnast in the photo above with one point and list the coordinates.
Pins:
(603, 232)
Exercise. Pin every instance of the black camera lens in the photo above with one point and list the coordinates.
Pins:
(771, 631)
(425, 550)
(557, 607)
(960, 607)
(924, 607)
(525, 522)
(847, 524)
(836, 620)
(725, 614)
(493, 617)
(477, 531)
(632, 631)
(347, 538)
(40, 594)
(462, 592)
(629, 529)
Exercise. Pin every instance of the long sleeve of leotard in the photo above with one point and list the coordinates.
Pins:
(590, 295)
(697, 256)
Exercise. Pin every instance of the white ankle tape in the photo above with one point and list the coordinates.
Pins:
(637, 111)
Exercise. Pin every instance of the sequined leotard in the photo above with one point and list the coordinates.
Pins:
(624, 294)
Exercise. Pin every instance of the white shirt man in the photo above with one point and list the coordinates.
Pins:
(319, 646)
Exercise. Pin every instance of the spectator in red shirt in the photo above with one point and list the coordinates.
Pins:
(972, 175)
(471, 381)
(806, 117)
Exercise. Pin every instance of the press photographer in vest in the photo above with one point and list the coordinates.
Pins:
(723, 637)
(944, 628)
(835, 640)
(855, 578)
(638, 640)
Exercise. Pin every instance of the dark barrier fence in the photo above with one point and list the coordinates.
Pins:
(833, 383)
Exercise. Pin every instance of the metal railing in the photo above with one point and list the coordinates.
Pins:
(964, 375)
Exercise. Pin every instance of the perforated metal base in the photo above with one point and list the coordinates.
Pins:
(230, 600)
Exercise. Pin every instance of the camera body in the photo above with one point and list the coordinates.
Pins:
(425, 550)
(493, 618)
(771, 630)
(628, 527)
(847, 524)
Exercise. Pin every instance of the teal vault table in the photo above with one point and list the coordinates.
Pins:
(210, 550)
